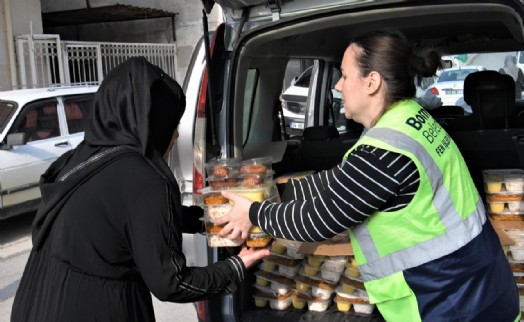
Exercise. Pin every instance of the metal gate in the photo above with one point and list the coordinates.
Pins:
(44, 60)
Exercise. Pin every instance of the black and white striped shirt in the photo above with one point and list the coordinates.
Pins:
(328, 203)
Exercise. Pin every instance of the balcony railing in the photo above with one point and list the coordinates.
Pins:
(44, 60)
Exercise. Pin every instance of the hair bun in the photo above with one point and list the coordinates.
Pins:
(423, 62)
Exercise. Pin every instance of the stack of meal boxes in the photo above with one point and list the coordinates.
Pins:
(505, 202)
(289, 277)
(252, 179)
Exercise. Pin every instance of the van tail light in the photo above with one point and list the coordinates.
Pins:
(201, 310)
(199, 143)
(434, 91)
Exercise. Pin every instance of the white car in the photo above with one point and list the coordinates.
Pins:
(294, 99)
(36, 127)
(449, 87)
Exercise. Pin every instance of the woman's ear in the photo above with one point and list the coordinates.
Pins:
(374, 82)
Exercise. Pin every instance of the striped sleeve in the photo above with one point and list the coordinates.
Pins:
(330, 202)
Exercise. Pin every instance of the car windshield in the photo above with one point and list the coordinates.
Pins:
(6, 109)
(454, 75)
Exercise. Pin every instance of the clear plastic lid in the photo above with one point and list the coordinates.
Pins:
(503, 181)
(223, 167)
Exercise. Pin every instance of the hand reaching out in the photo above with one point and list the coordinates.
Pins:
(237, 222)
(252, 255)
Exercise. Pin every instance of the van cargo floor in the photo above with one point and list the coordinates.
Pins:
(290, 314)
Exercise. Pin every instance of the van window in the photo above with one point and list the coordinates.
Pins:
(76, 110)
(295, 92)
(249, 98)
(39, 121)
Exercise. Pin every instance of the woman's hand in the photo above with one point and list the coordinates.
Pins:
(252, 255)
(237, 223)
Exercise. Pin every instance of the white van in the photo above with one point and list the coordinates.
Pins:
(240, 117)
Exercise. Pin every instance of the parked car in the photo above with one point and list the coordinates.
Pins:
(36, 127)
(249, 54)
(449, 87)
(294, 99)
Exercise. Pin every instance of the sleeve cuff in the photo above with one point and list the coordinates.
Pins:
(253, 213)
(238, 267)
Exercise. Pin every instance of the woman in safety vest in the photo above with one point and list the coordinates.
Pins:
(417, 223)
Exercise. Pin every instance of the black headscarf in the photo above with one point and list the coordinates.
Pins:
(136, 110)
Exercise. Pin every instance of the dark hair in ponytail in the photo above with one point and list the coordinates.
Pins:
(397, 61)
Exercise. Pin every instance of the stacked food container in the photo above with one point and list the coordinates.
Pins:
(252, 179)
(288, 277)
(505, 202)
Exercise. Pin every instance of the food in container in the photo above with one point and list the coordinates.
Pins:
(318, 305)
(323, 290)
(280, 303)
(330, 276)
(262, 281)
(292, 251)
(310, 270)
(254, 180)
(496, 207)
(222, 183)
(349, 285)
(258, 240)
(315, 260)
(334, 264)
(504, 180)
(264, 295)
(278, 248)
(260, 301)
(213, 240)
(286, 266)
(352, 268)
(359, 300)
(268, 266)
(304, 283)
(254, 194)
(222, 168)
(299, 299)
(216, 211)
(517, 252)
(342, 305)
(214, 198)
(258, 166)
(280, 284)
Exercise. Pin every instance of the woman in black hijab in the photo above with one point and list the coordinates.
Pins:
(109, 228)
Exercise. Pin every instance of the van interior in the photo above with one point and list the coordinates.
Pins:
(492, 137)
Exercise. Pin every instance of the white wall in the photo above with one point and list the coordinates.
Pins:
(24, 13)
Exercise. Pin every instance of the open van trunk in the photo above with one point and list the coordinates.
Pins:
(249, 115)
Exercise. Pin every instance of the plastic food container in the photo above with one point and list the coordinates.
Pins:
(299, 299)
(304, 283)
(350, 285)
(223, 183)
(286, 266)
(258, 240)
(281, 303)
(277, 283)
(311, 270)
(216, 211)
(315, 260)
(222, 168)
(261, 301)
(342, 305)
(334, 264)
(278, 248)
(258, 166)
(323, 292)
(213, 240)
(352, 268)
(359, 300)
(330, 276)
(213, 198)
(262, 281)
(504, 180)
(318, 305)
(517, 252)
(292, 251)
(255, 180)
(254, 194)
(268, 265)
